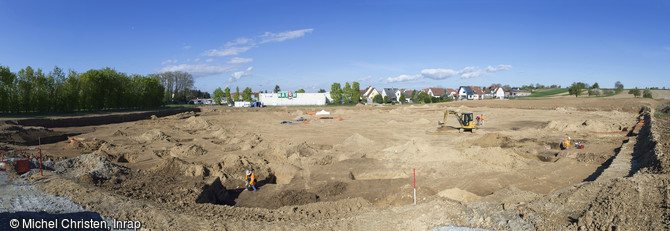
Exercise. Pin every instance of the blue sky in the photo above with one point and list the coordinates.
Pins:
(311, 44)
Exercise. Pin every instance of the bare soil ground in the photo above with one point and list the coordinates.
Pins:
(354, 171)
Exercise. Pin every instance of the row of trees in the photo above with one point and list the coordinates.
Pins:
(220, 95)
(31, 90)
(577, 88)
(348, 94)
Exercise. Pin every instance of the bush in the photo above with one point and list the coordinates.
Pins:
(647, 94)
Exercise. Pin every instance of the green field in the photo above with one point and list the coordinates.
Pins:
(548, 92)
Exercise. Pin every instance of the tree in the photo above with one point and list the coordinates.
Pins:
(619, 86)
(246, 94)
(277, 89)
(8, 99)
(300, 91)
(355, 92)
(219, 95)
(336, 93)
(402, 98)
(576, 89)
(322, 90)
(377, 99)
(635, 92)
(647, 94)
(595, 86)
(591, 92)
(413, 96)
(237, 94)
(387, 99)
(177, 85)
(346, 93)
(227, 95)
(423, 97)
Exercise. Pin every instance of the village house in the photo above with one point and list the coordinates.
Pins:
(393, 93)
(494, 92)
(470, 93)
(369, 93)
(451, 93)
(434, 91)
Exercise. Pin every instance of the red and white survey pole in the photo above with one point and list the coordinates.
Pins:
(414, 173)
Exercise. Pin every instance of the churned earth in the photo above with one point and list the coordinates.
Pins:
(354, 168)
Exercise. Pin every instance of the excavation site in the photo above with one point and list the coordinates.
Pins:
(360, 167)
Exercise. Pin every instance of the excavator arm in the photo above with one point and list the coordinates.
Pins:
(446, 113)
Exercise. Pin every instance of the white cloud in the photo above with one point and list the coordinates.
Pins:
(169, 61)
(209, 60)
(196, 60)
(441, 73)
(471, 72)
(238, 41)
(438, 73)
(241, 45)
(238, 60)
(199, 70)
(283, 36)
(403, 78)
(500, 67)
(239, 74)
(187, 47)
(226, 51)
(366, 78)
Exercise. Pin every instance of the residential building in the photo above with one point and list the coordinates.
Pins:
(393, 93)
(470, 93)
(451, 93)
(369, 93)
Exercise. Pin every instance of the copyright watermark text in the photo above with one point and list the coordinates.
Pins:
(73, 224)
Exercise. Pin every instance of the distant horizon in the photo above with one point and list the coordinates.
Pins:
(308, 45)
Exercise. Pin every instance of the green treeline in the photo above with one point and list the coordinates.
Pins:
(31, 90)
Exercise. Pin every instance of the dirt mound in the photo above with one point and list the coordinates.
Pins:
(284, 173)
(356, 140)
(176, 166)
(221, 133)
(196, 123)
(153, 135)
(119, 133)
(97, 166)
(410, 149)
(186, 151)
(458, 194)
(493, 140)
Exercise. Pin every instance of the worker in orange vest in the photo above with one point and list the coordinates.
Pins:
(250, 180)
(566, 143)
(481, 120)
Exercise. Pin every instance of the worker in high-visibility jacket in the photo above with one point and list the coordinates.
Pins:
(566, 143)
(250, 181)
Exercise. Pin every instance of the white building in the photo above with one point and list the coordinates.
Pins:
(292, 99)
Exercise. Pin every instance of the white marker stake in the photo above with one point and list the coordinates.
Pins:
(414, 170)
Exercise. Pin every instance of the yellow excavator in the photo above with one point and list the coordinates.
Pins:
(466, 120)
